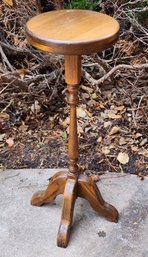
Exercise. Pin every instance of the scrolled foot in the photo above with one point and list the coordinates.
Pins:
(56, 186)
(111, 212)
(88, 190)
(63, 235)
(38, 198)
(69, 198)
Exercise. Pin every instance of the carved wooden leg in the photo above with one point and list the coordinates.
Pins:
(72, 78)
(72, 184)
(69, 197)
(56, 186)
(88, 189)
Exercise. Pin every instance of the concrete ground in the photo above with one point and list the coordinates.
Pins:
(28, 231)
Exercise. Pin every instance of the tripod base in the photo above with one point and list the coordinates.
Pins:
(71, 188)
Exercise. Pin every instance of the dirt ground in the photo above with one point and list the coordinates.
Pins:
(105, 129)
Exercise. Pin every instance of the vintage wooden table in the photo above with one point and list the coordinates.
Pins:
(72, 33)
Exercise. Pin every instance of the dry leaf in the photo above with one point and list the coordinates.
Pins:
(101, 105)
(105, 150)
(141, 176)
(87, 129)
(114, 130)
(2, 145)
(66, 122)
(122, 141)
(129, 47)
(113, 115)
(35, 108)
(134, 148)
(104, 115)
(93, 103)
(10, 141)
(89, 90)
(111, 110)
(80, 129)
(2, 137)
(143, 142)
(112, 146)
(8, 2)
(22, 72)
(64, 134)
(85, 96)
(123, 158)
(81, 113)
(144, 152)
(119, 108)
(107, 124)
(137, 135)
(23, 127)
(99, 139)
(4, 116)
(95, 178)
(94, 96)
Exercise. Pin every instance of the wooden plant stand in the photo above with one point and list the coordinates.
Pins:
(72, 184)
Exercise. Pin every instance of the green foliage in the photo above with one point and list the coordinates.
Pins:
(143, 15)
(143, 18)
(143, 3)
(83, 4)
(146, 3)
(138, 11)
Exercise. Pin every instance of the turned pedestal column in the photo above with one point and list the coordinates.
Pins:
(73, 33)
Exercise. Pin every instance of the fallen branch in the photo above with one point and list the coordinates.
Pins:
(112, 71)
(10, 50)
(15, 81)
(5, 59)
(8, 105)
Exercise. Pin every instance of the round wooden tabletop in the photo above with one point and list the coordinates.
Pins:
(72, 31)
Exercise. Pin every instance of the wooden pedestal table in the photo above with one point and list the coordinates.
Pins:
(72, 33)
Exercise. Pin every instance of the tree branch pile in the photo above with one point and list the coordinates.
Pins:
(115, 77)
(22, 67)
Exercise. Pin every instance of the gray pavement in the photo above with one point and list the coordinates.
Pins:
(28, 231)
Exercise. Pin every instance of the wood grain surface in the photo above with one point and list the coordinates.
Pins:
(69, 198)
(56, 187)
(72, 31)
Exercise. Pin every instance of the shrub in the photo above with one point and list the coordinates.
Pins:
(83, 4)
